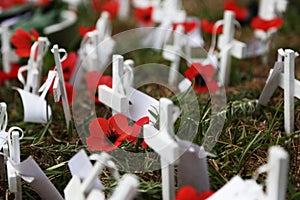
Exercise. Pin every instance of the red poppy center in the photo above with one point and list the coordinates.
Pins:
(112, 136)
(199, 80)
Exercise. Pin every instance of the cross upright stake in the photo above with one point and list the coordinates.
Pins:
(5, 49)
(62, 86)
(229, 47)
(164, 144)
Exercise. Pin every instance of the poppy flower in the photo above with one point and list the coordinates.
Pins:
(189, 26)
(188, 192)
(11, 75)
(133, 138)
(208, 27)
(23, 41)
(112, 7)
(10, 3)
(108, 134)
(71, 93)
(84, 30)
(144, 15)
(43, 2)
(265, 25)
(241, 13)
(93, 80)
(203, 76)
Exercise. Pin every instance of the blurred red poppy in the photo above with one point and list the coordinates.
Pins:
(84, 30)
(11, 75)
(265, 25)
(133, 138)
(144, 15)
(190, 193)
(189, 26)
(93, 80)
(208, 27)
(11, 3)
(108, 135)
(23, 41)
(203, 76)
(112, 7)
(240, 12)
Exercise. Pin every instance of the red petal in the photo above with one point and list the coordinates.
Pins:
(98, 127)
(68, 65)
(208, 27)
(71, 93)
(119, 124)
(99, 144)
(112, 7)
(23, 40)
(144, 15)
(94, 79)
(240, 12)
(265, 25)
(35, 34)
(204, 195)
(186, 193)
(189, 26)
(138, 126)
(84, 30)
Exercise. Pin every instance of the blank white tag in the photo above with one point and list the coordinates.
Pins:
(40, 184)
(81, 166)
(239, 189)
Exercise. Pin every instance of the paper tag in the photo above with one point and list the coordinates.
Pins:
(184, 85)
(238, 189)
(271, 84)
(195, 174)
(140, 104)
(41, 184)
(81, 166)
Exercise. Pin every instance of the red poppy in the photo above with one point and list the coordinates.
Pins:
(71, 93)
(144, 15)
(23, 41)
(203, 76)
(43, 2)
(208, 27)
(84, 30)
(188, 192)
(11, 3)
(11, 75)
(240, 12)
(133, 138)
(93, 80)
(189, 26)
(265, 25)
(112, 7)
(108, 135)
(68, 65)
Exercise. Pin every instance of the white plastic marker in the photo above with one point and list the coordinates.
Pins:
(34, 66)
(276, 182)
(145, 3)
(59, 87)
(163, 142)
(3, 139)
(123, 98)
(85, 190)
(124, 9)
(5, 47)
(36, 108)
(289, 84)
(229, 47)
(172, 53)
(171, 9)
(14, 181)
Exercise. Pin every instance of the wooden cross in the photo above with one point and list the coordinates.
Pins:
(229, 47)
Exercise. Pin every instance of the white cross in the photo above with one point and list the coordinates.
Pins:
(34, 66)
(124, 9)
(5, 48)
(172, 53)
(229, 47)
(13, 152)
(171, 9)
(145, 3)
(59, 87)
(163, 142)
(288, 83)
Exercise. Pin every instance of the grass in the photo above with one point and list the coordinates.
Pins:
(241, 148)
